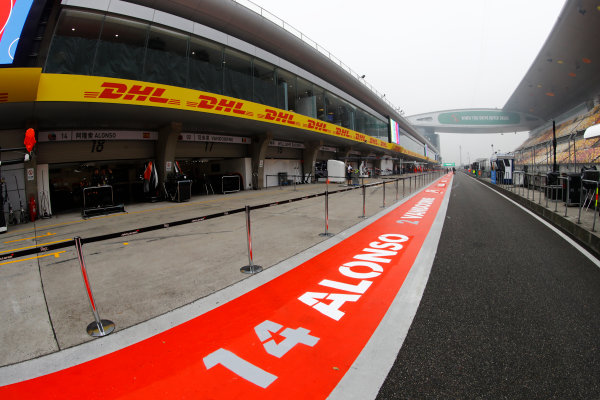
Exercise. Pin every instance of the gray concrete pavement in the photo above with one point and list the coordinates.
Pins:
(137, 278)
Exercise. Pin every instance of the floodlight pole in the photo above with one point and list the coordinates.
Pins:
(554, 166)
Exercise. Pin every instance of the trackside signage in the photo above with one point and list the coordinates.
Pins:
(79, 88)
(479, 118)
(203, 137)
(62, 136)
(292, 338)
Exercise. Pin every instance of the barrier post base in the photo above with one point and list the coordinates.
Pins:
(327, 234)
(251, 269)
(107, 328)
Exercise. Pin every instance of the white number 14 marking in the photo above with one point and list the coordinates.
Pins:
(264, 330)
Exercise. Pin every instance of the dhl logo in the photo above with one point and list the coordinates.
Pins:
(276, 116)
(317, 125)
(342, 132)
(213, 103)
(115, 91)
(3, 97)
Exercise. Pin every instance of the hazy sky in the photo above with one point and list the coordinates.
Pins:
(432, 55)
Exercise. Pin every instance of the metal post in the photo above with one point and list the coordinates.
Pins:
(403, 187)
(364, 193)
(567, 195)
(383, 205)
(326, 233)
(100, 327)
(514, 180)
(575, 153)
(595, 209)
(250, 268)
(522, 189)
(580, 202)
(546, 191)
(554, 165)
(540, 197)
(397, 189)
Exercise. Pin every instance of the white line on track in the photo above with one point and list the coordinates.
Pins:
(582, 250)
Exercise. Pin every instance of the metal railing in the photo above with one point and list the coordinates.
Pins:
(527, 184)
(101, 327)
(589, 197)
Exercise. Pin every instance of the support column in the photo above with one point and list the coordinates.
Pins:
(259, 151)
(366, 157)
(309, 157)
(377, 163)
(31, 185)
(343, 153)
(31, 165)
(165, 150)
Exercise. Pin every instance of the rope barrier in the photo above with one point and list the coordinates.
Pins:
(151, 228)
(102, 327)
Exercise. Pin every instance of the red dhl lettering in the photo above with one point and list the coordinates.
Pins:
(317, 125)
(139, 93)
(360, 137)
(273, 115)
(230, 106)
(207, 102)
(210, 103)
(113, 90)
(110, 88)
(372, 141)
(342, 132)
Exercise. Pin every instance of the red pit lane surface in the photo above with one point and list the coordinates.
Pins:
(294, 337)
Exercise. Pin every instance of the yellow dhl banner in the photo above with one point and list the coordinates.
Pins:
(80, 88)
(18, 85)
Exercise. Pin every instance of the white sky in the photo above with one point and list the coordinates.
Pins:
(432, 55)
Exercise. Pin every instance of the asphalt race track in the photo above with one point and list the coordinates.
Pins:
(511, 310)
